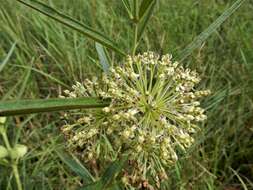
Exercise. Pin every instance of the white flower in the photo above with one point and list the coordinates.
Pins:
(106, 109)
(153, 112)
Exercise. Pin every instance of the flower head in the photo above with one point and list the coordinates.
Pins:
(153, 113)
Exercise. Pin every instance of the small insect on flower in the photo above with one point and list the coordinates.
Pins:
(153, 113)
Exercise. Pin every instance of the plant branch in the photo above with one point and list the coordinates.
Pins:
(16, 174)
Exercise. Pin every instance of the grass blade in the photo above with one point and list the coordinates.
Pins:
(146, 18)
(145, 5)
(113, 170)
(7, 57)
(102, 57)
(109, 175)
(239, 178)
(8, 108)
(128, 8)
(72, 23)
(74, 164)
(42, 73)
(206, 33)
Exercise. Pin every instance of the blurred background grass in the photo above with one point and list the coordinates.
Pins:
(49, 57)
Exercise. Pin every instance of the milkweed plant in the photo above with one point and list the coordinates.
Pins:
(145, 108)
(153, 115)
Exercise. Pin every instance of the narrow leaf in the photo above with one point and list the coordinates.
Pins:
(7, 57)
(102, 57)
(135, 10)
(206, 33)
(42, 73)
(8, 108)
(107, 179)
(72, 23)
(239, 178)
(145, 5)
(128, 8)
(145, 20)
(113, 170)
(74, 164)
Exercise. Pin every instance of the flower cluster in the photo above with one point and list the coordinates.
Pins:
(152, 116)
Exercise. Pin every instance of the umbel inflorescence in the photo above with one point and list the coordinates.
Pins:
(152, 116)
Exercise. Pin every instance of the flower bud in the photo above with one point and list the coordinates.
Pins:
(138, 148)
(165, 154)
(167, 141)
(126, 134)
(125, 180)
(152, 140)
(90, 155)
(84, 120)
(116, 117)
(109, 130)
(18, 151)
(141, 139)
(2, 120)
(3, 152)
(106, 109)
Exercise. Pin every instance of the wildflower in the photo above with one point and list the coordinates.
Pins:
(153, 112)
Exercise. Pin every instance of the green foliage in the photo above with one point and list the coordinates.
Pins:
(145, 16)
(145, 5)
(200, 39)
(7, 57)
(46, 51)
(70, 22)
(107, 179)
(75, 165)
(103, 57)
(36, 106)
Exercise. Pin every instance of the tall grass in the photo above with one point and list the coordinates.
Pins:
(49, 56)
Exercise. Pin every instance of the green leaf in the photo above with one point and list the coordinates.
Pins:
(135, 10)
(146, 18)
(42, 73)
(72, 23)
(107, 179)
(7, 57)
(239, 178)
(102, 57)
(128, 8)
(113, 170)
(206, 33)
(145, 5)
(8, 108)
(74, 164)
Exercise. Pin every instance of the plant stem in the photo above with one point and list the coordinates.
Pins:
(136, 22)
(14, 162)
(16, 174)
(136, 3)
(6, 141)
(135, 38)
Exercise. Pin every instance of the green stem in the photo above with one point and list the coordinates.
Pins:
(14, 162)
(16, 174)
(6, 141)
(136, 22)
(136, 3)
(135, 38)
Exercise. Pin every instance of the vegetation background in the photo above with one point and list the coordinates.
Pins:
(49, 57)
